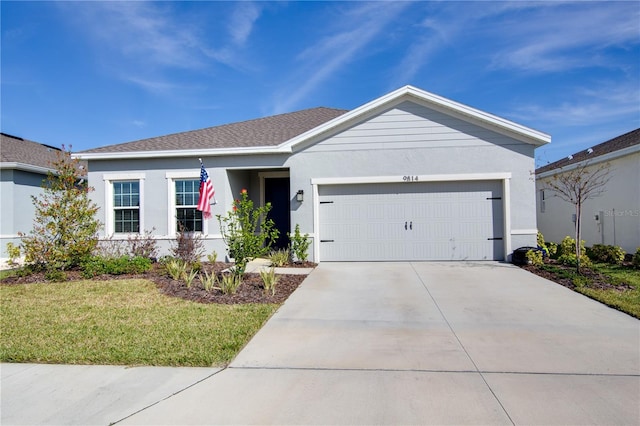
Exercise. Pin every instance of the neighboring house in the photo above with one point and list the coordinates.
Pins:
(612, 218)
(407, 176)
(23, 167)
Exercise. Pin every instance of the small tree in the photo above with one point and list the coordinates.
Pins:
(577, 185)
(247, 231)
(65, 230)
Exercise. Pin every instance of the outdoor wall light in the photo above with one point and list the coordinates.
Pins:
(300, 196)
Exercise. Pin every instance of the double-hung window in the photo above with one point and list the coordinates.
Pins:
(187, 195)
(126, 206)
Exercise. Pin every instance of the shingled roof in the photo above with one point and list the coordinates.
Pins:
(261, 132)
(20, 151)
(616, 144)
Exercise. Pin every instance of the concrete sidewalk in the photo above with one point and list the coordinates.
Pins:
(381, 343)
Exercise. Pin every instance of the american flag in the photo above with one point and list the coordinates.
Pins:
(206, 193)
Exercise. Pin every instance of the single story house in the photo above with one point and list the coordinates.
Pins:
(408, 176)
(612, 218)
(24, 165)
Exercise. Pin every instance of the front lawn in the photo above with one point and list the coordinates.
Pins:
(614, 285)
(626, 300)
(125, 322)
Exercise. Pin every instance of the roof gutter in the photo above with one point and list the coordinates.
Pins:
(591, 161)
(26, 167)
(217, 152)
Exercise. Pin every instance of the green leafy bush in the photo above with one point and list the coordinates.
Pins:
(65, 230)
(247, 231)
(534, 257)
(552, 249)
(636, 259)
(299, 244)
(279, 258)
(13, 251)
(213, 257)
(55, 275)
(567, 252)
(601, 253)
(97, 265)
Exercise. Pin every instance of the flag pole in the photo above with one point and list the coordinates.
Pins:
(214, 195)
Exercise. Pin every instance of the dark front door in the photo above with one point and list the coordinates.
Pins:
(276, 192)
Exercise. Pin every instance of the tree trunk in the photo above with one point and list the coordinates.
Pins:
(578, 232)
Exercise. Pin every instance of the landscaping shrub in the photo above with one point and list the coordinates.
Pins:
(176, 268)
(65, 230)
(247, 231)
(229, 283)
(299, 244)
(534, 257)
(279, 258)
(269, 280)
(601, 253)
(143, 245)
(567, 252)
(97, 265)
(188, 246)
(636, 259)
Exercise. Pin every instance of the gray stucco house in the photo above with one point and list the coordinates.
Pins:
(24, 165)
(407, 176)
(613, 218)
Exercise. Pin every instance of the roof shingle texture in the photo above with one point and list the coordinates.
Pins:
(616, 144)
(261, 132)
(17, 150)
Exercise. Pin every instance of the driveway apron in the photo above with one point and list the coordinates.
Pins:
(425, 343)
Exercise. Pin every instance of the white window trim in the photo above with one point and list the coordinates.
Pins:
(109, 179)
(171, 190)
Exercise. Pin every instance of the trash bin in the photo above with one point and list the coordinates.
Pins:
(519, 256)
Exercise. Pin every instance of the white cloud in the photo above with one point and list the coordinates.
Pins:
(242, 20)
(586, 106)
(358, 27)
(562, 38)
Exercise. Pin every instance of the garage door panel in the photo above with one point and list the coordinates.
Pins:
(443, 220)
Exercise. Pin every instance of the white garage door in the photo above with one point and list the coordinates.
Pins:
(411, 221)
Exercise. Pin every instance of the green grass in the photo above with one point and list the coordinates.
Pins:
(625, 301)
(120, 322)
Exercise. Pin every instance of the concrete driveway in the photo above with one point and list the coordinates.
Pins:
(423, 343)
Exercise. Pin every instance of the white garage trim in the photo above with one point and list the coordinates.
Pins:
(504, 177)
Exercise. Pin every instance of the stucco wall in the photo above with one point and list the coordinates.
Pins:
(406, 140)
(618, 209)
(17, 210)
(413, 140)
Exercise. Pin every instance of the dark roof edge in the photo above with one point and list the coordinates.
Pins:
(610, 146)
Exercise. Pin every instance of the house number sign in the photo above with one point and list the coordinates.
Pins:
(410, 178)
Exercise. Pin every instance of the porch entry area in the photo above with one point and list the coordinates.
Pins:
(267, 186)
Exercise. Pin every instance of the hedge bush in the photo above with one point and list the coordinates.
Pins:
(97, 265)
(601, 253)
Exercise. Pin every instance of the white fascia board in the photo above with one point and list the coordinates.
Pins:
(410, 179)
(26, 167)
(181, 153)
(591, 161)
(525, 134)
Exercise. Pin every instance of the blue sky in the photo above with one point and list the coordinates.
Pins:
(89, 74)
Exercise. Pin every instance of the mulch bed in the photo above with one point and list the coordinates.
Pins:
(596, 279)
(250, 291)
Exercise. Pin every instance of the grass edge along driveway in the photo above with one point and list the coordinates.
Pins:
(120, 322)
